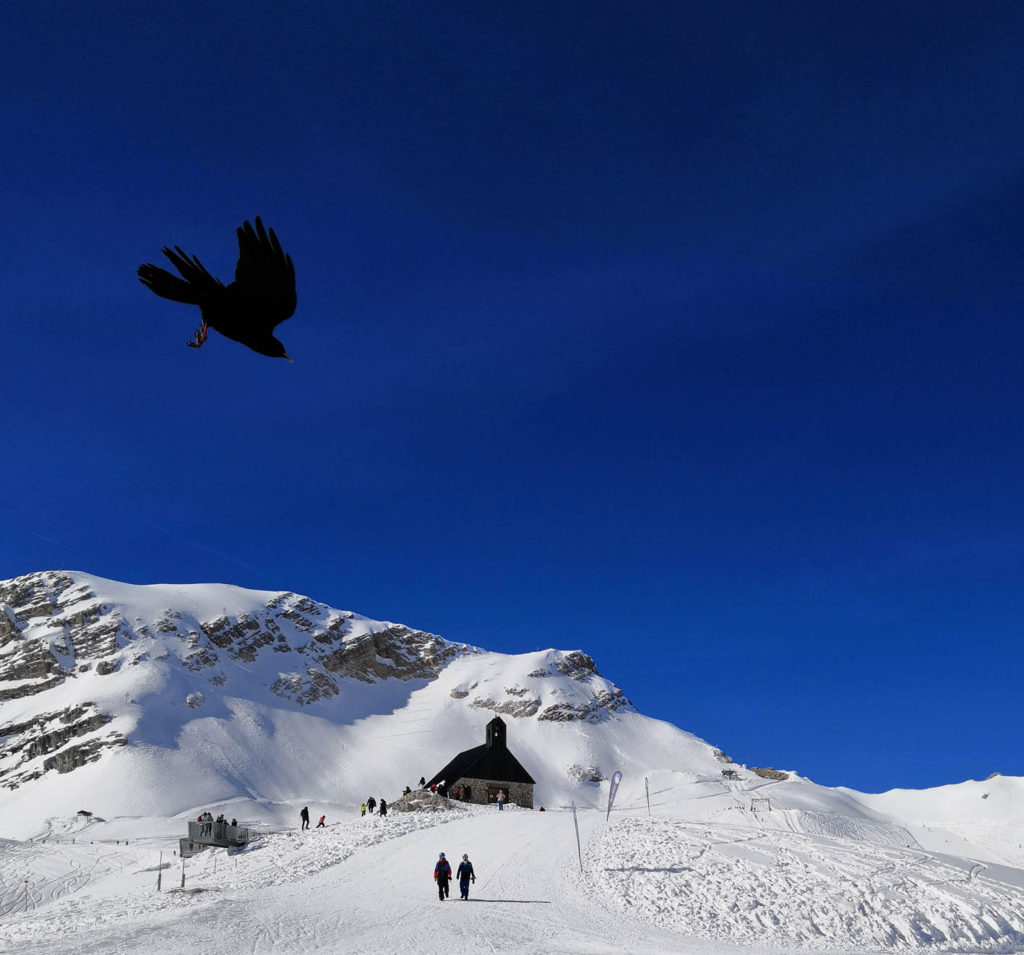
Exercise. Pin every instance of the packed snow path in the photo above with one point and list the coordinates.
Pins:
(374, 896)
(652, 885)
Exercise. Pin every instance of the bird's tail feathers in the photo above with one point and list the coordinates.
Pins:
(193, 271)
(193, 288)
(168, 286)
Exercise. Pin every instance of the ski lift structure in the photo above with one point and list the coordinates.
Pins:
(760, 804)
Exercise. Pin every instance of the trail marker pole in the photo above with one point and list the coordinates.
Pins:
(160, 872)
(579, 848)
(612, 790)
(183, 872)
(647, 789)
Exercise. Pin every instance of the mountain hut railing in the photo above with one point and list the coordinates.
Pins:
(220, 834)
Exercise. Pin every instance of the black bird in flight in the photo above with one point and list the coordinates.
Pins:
(250, 308)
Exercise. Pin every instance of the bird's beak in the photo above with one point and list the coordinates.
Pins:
(289, 357)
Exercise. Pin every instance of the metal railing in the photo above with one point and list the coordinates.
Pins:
(217, 834)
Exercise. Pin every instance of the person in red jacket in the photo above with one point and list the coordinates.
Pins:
(442, 875)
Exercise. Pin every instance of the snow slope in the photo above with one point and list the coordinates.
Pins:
(654, 883)
(690, 859)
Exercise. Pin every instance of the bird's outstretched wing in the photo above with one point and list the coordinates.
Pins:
(265, 273)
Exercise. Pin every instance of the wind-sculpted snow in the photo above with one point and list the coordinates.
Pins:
(781, 888)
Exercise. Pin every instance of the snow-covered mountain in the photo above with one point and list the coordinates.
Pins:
(145, 704)
(200, 693)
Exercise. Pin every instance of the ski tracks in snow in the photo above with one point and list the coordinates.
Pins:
(776, 887)
(654, 885)
(36, 875)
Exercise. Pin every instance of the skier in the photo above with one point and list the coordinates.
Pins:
(320, 824)
(383, 811)
(442, 873)
(465, 873)
(304, 814)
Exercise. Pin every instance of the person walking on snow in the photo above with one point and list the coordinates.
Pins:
(362, 809)
(370, 803)
(501, 800)
(442, 874)
(320, 824)
(383, 811)
(465, 873)
(305, 817)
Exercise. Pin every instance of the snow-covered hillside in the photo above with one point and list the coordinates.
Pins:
(658, 883)
(145, 705)
(207, 693)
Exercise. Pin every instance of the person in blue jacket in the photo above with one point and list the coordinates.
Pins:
(442, 875)
(465, 873)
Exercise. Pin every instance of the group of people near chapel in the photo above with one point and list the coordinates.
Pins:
(442, 869)
(370, 805)
(304, 816)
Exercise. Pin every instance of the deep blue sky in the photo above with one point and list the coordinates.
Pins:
(685, 333)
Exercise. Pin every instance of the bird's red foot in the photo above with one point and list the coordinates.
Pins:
(199, 337)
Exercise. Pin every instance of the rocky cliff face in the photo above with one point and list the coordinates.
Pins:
(61, 640)
(90, 667)
(542, 695)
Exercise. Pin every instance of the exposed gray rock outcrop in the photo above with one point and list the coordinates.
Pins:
(600, 707)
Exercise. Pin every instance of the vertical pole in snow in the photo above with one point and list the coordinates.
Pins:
(612, 790)
(183, 872)
(647, 789)
(579, 848)
(160, 872)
